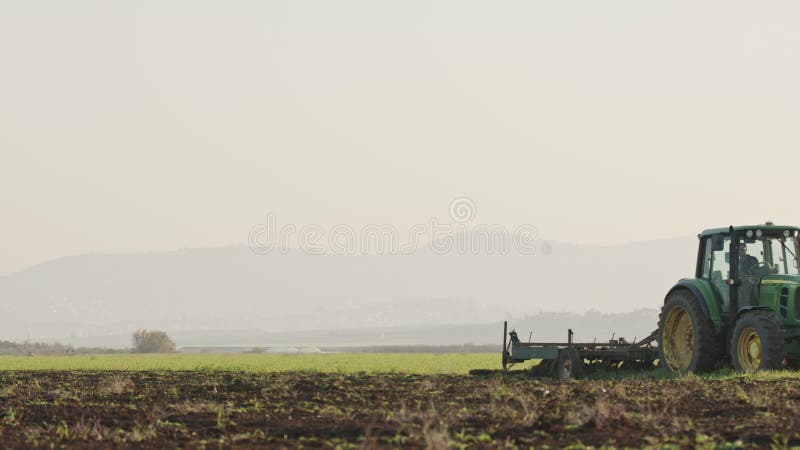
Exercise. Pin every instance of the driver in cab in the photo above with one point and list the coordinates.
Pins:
(748, 264)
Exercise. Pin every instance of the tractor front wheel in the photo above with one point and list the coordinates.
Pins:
(757, 342)
(687, 341)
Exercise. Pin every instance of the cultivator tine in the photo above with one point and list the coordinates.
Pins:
(505, 348)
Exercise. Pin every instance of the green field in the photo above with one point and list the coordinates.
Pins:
(346, 363)
(335, 362)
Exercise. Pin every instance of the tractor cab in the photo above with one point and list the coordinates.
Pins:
(743, 262)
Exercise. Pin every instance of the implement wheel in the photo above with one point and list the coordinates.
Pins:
(687, 341)
(569, 364)
(757, 342)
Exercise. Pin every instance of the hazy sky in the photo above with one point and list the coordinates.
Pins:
(144, 125)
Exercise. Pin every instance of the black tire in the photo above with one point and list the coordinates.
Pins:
(769, 344)
(569, 364)
(704, 347)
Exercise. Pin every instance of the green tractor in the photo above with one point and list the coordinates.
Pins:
(742, 307)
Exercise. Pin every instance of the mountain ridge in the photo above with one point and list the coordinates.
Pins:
(232, 287)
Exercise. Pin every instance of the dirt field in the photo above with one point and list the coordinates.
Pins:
(247, 410)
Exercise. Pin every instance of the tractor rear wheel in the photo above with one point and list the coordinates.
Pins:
(569, 364)
(687, 341)
(757, 342)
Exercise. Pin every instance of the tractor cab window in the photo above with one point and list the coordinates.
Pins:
(705, 270)
(719, 261)
(781, 256)
(768, 255)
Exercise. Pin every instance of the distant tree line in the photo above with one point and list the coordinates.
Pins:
(144, 341)
(55, 348)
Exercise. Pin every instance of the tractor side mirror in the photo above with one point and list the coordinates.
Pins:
(717, 243)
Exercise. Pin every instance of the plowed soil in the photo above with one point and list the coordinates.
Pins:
(275, 410)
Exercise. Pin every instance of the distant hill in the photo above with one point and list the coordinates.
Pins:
(544, 326)
(232, 288)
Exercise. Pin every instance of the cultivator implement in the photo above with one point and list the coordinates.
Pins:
(567, 360)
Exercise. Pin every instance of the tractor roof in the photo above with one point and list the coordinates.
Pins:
(766, 227)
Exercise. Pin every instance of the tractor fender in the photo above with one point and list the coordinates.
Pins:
(704, 295)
